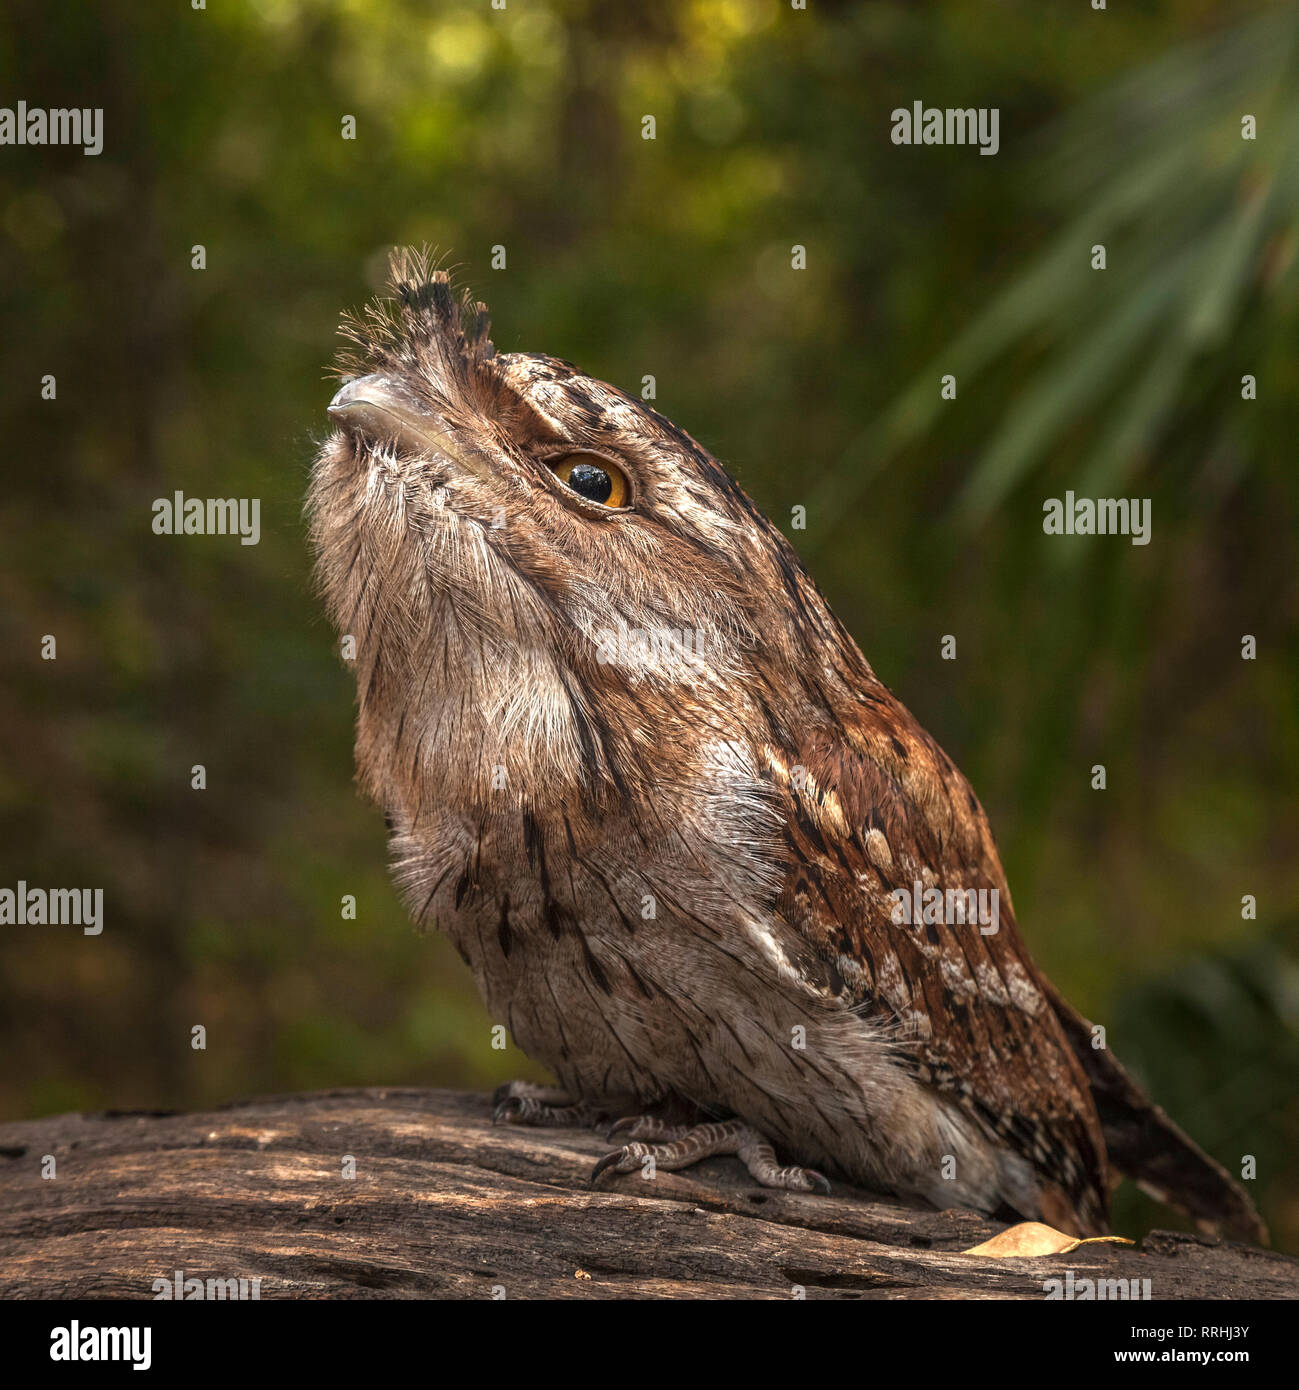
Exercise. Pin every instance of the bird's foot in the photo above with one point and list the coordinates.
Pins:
(546, 1107)
(677, 1147)
(648, 1127)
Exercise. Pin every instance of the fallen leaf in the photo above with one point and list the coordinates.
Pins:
(1033, 1238)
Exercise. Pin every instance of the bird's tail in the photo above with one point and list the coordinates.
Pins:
(1146, 1146)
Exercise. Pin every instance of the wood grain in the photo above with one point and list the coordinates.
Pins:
(444, 1205)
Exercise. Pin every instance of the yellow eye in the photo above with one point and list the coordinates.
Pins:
(594, 478)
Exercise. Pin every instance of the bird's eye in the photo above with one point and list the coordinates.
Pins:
(593, 477)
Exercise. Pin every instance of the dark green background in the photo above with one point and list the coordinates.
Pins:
(818, 387)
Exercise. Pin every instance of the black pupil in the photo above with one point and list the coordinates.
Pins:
(591, 482)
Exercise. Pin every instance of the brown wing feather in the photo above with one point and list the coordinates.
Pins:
(881, 808)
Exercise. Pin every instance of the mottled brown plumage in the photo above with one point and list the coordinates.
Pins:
(644, 779)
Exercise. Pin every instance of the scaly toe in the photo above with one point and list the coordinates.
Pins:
(646, 1127)
(619, 1161)
(544, 1107)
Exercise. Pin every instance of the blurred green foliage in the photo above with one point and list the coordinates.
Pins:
(819, 387)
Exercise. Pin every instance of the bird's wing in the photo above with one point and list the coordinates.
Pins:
(874, 808)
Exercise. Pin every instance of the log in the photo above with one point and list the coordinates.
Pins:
(445, 1205)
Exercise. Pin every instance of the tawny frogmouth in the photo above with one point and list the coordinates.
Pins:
(644, 779)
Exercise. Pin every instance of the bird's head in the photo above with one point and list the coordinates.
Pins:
(546, 581)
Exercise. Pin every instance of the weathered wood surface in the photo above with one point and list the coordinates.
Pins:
(444, 1205)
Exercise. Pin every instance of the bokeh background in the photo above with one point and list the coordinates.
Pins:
(522, 127)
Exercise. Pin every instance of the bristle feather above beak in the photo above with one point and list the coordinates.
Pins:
(424, 322)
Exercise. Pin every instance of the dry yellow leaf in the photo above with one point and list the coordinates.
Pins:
(1033, 1238)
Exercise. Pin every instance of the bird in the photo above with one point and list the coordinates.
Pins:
(704, 865)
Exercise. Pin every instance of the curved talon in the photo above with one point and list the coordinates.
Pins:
(610, 1160)
(818, 1180)
(507, 1110)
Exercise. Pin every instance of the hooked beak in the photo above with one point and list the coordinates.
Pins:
(377, 408)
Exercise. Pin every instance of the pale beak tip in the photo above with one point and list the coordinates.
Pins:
(345, 396)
